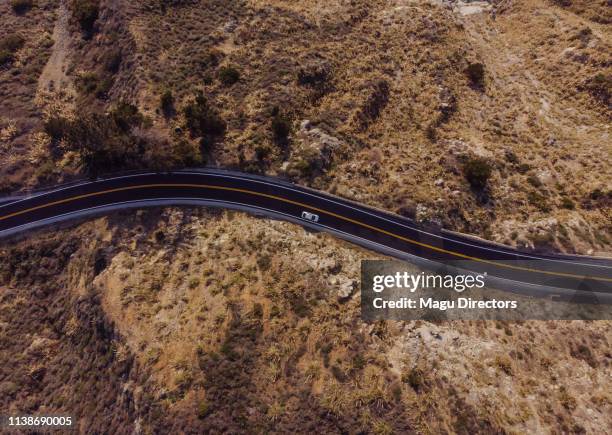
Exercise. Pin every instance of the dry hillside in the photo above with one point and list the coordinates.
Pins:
(491, 118)
(486, 117)
(202, 321)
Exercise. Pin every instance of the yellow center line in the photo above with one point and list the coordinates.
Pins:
(329, 213)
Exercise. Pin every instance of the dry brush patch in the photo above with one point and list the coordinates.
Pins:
(225, 320)
(417, 86)
(401, 96)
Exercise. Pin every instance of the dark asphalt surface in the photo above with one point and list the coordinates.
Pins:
(369, 227)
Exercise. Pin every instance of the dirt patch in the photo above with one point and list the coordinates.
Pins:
(54, 77)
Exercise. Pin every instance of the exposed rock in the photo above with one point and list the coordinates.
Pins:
(545, 177)
(346, 290)
(313, 150)
(423, 213)
(468, 7)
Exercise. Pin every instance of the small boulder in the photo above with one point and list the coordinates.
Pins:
(346, 290)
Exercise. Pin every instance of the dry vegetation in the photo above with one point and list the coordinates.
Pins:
(215, 321)
(492, 119)
(401, 99)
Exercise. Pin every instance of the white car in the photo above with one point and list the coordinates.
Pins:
(310, 216)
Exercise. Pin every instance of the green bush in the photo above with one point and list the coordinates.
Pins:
(262, 151)
(101, 145)
(523, 168)
(375, 103)
(416, 379)
(596, 194)
(313, 75)
(264, 262)
(274, 311)
(567, 203)
(281, 126)
(44, 171)
(299, 305)
(305, 166)
(512, 157)
(91, 83)
(126, 116)
(600, 87)
(229, 75)
(185, 154)
(257, 311)
(203, 409)
(538, 200)
(6, 57)
(202, 120)
(476, 74)
(338, 373)
(534, 181)
(9, 46)
(166, 102)
(12, 43)
(228, 350)
(57, 127)
(21, 6)
(359, 362)
(477, 171)
(103, 142)
(86, 13)
(112, 61)
(87, 82)
(103, 88)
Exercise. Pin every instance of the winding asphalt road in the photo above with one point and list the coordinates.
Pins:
(565, 276)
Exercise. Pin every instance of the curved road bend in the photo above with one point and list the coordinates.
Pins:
(374, 229)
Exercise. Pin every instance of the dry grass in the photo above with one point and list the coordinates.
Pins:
(384, 79)
(390, 77)
(223, 341)
(219, 320)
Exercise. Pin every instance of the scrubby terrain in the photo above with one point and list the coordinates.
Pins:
(202, 321)
(487, 117)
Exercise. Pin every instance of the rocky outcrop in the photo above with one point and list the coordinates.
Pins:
(313, 151)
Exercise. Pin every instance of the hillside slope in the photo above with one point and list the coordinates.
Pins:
(207, 321)
(489, 118)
